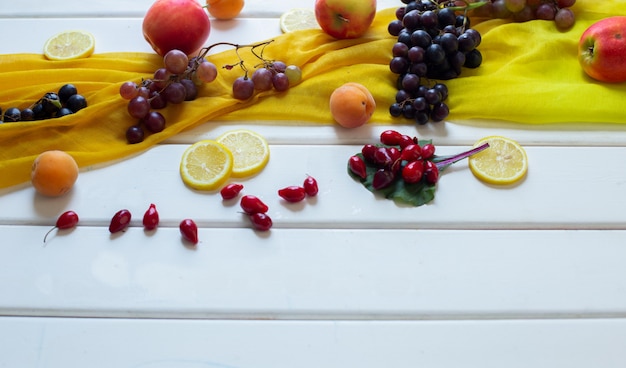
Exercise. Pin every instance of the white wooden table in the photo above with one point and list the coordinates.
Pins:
(529, 276)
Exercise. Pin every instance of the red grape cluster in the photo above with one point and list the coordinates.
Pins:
(399, 156)
(524, 10)
(434, 42)
(178, 80)
(269, 75)
(174, 83)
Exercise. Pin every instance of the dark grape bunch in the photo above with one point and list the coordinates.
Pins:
(524, 10)
(52, 105)
(178, 81)
(434, 43)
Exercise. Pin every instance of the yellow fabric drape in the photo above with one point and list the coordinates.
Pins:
(530, 75)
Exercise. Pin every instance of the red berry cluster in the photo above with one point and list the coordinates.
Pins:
(256, 209)
(399, 156)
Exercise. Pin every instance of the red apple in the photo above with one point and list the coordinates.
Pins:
(345, 18)
(602, 50)
(176, 24)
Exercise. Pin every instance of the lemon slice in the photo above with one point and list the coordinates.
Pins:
(504, 162)
(69, 45)
(298, 19)
(250, 151)
(206, 165)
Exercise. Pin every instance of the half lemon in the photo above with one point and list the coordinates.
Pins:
(69, 45)
(250, 151)
(504, 162)
(206, 165)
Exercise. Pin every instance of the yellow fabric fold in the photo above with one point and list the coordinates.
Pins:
(530, 75)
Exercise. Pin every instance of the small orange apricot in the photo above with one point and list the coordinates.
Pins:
(352, 105)
(224, 9)
(54, 173)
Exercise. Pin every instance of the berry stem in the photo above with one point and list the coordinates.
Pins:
(447, 161)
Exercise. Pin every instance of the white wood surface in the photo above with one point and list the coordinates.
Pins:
(525, 276)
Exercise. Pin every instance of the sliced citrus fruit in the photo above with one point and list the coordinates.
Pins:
(504, 162)
(69, 45)
(206, 165)
(298, 19)
(250, 151)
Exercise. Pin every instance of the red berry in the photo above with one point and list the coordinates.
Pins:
(231, 191)
(261, 221)
(413, 172)
(428, 151)
(66, 220)
(251, 204)
(151, 218)
(405, 140)
(310, 186)
(382, 157)
(292, 193)
(431, 172)
(412, 152)
(120, 221)
(368, 152)
(189, 230)
(357, 166)
(394, 153)
(390, 137)
(383, 178)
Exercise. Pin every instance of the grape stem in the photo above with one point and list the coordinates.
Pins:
(204, 51)
(447, 161)
(469, 6)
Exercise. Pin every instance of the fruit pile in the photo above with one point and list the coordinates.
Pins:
(402, 168)
(524, 10)
(433, 42)
(178, 80)
(52, 105)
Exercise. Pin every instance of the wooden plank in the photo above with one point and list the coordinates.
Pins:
(314, 274)
(563, 189)
(430, 344)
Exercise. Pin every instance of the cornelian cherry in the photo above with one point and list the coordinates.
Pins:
(292, 193)
(66, 220)
(151, 218)
(251, 204)
(310, 186)
(412, 152)
(390, 137)
(189, 230)
(428, 151)
(431, 172)
(413, 172)
(120, 221)
(368, 152)
(261, 221)
(405, 140)
(231, 191)
(357, 166)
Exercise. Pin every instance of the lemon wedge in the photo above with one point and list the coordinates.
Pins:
(206, 165)
(250, 151)
(69, 45)
(298, 19)
(504, 162)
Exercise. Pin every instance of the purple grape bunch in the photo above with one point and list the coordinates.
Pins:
(434, 43)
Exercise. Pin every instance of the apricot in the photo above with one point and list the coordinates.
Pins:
(224, 9)
(352, 105)
(54, 173)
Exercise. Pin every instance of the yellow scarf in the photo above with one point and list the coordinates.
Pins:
(530, 74)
